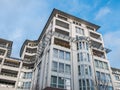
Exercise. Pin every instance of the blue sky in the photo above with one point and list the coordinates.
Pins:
(25, 19)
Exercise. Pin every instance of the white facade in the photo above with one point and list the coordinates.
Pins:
(68, 55)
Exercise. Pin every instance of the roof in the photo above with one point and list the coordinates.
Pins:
(55, 11)
(8, 41)
(25, 43)
(115, 69)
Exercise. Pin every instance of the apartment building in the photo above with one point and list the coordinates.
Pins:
(16, 74)
(116, 77)
(68, 55)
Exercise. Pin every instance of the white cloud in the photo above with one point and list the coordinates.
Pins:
(102, 12)
(112, 41)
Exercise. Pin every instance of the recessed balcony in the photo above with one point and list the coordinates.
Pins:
(61, 43)
(9, 73)
(12, 63)
(95, 35)
(2, 52)
(7, 83)
(98, 54)
(27, 66)
(62, 24)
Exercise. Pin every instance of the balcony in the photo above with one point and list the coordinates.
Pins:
(29, 59)
(1, 60)
(95, 36)
(97, 45)
(7, 83)
(62, 24)
(12, 63)
(63, 17)
(9, 73)
(27, 66)
(61, 43)
(61, 32)
(2, 52)
(98, 54)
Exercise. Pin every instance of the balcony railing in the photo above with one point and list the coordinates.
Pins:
(11, 65)
(6, 74)
(6, 85)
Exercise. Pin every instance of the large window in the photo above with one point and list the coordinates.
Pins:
(53, 81)
(54, 66)
(81, 56)
(64, 55)
(55, 53)
(67, 84)
(101, 64)
(67, 69)
(103, 77)
(61, 54)
(67, 55)
(79, 70)
(26, 75)
(98, 75)
(24, 85)
(61, 67)
(60, 82)
(79, 30)
(90, 71)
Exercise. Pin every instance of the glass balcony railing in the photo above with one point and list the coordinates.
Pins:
(11, 65)
(7, 74)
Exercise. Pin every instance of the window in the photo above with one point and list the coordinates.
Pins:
(26, 75)
(79, 70)
(90, 71)
(96, 63)
(83, 45)
(81, 56)
(80, 45)
(77, 46)
(108, 78)
(110, 88)
(101, 64)
(116, 77)
(61, 67)
(86, 70)
(53, 81)
(61, 54)
(87, 46)
(105, 65)
(24, 85)
(88, 57)
(98, 75)
(55, 53)
(78, 57)
(84, 84)
(67, 69)
(79, 30)
(54, 66)
(67, 84)
(82, 69)
(67, 56)
(80, 84)
(60, 82)
(103, 77)
(88, 84)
